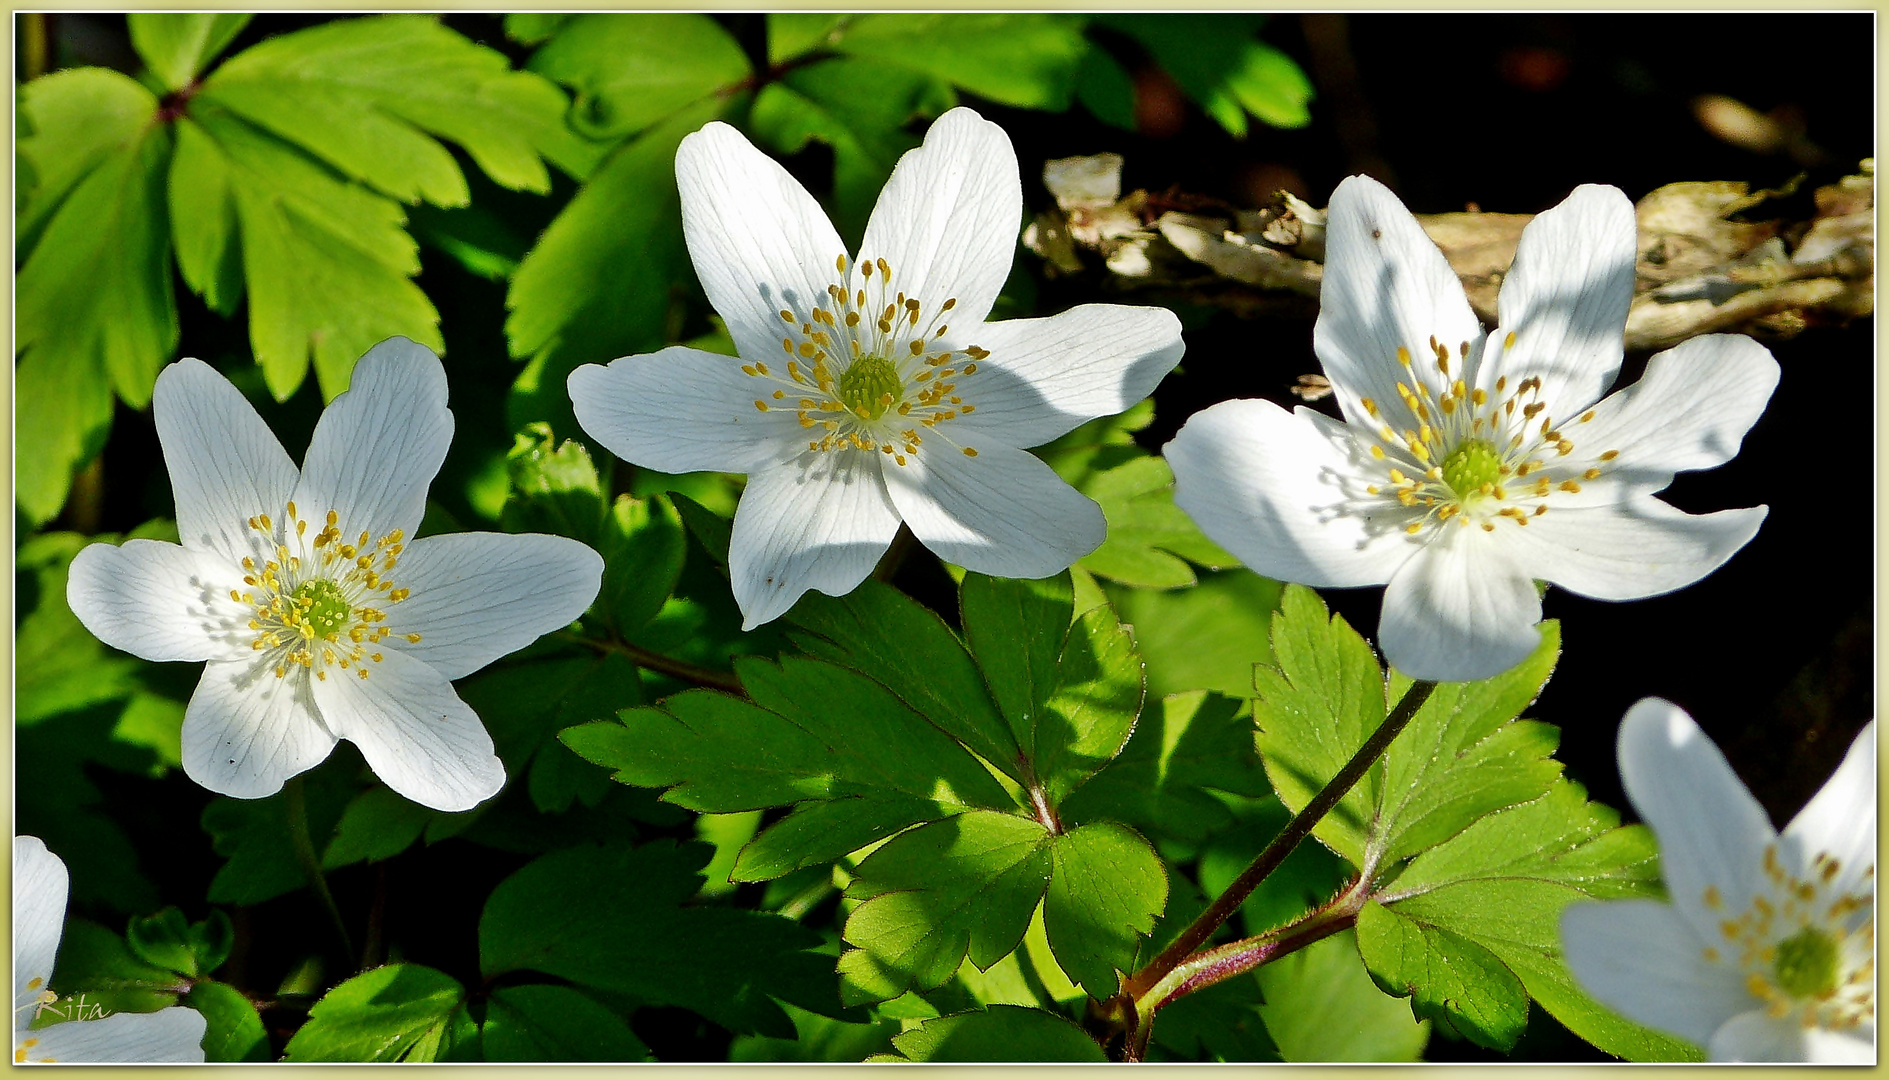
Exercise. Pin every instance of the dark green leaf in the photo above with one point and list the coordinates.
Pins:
(818, 1038)
(1190, 746)
(96, 968)
(402, 1012)
(966, 885)
(710, 529)
(555, 1023)
(253, 834)
(232, 1029)
(631, 71)
(59, 665)
(1026, 60)
(791, 34)
(1219, 1023)
(610, 918)
(177, 47)
(643, 547)
(168, 941)
(377, 825)
(524, 719)
(999, 1033)
(1448, 978)
(1217, 62)
(1107, 885)
(1105, 88)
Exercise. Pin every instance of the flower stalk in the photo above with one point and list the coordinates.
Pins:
(295, 806)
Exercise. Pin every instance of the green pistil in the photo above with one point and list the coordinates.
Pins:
(870, 386)
(327, 611)
(1470, 466)
(1807, 964)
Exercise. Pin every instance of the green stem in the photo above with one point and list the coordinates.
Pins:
(36, 48)
(668, 665)
(1275, 853)
(297, 807)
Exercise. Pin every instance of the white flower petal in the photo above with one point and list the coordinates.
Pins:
(1565, 299)
(683, 410)
(1711, 832)
(1754, 1036)
(1386, 286)
(1823, 1046)
(478, 596)
(160, 601)
(419, 738)
(173, 1034)
(1461, 609)
(1045, 376)
(948, 219)
(379, 444)
(1840, 820)
(1002, 513)
(39, 918)
(1689, 411)
(1641, 547)
(1285, 493)
(225, 465)
(818, 522)
(759, 242)
(246, 731)
(1641, 959)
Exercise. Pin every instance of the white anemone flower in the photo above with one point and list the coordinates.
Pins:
(1767, 950)
(321, 617)
(1469, 465)
(870, 390)
(39, 916)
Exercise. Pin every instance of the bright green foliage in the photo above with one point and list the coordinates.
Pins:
(95, 310)
(401, 1012)
(1025, 60)
(1191, 746)
(99, 964)
(1471, 923)
(1218, 63)
(1208, 637)
(999, 1033)
(378, 824)
(627, 72)
(177, 47)
(554, 1023)
(233, 1030)
(1106, 886)
(611, 919)
(190, 949)
(1322, 1006)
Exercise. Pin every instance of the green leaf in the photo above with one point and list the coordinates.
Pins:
(204, 224)
(1217, 62)
(369, 96)
(999, 1033)
(1025, 60)
(860, 107)
(610, 919)
(1105, 889)
(818, 1038)
(1450, 979)
(232, 1029)
(1308, 877)
(378, 824)
(177, 47)
(71, 122)
(166, 940)
(555, 1023)
(598, 282)
(1219, 1023)
(534, 27)
(524, 720)
(1106, 89)
(94, 293)
(1271, 86)
(1494, 895)
(1089, 717)
(1318, 704)
(1321, 1005)
(892, 638)
(96, 968)
(1150, 540)
(631, 71)
(1194, 744)
(59, 666)
(966, 885)
(253, 834)
(792, 34)
(326, 262)
(1016, 630)
(643, 547)
(860, 764)
(554, 488)
(401, 1012)
(1207, 637)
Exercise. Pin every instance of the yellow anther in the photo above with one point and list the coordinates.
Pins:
(1610, 455)
(1377, 452)
(968, 452)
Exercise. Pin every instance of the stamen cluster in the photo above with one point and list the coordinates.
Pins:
(1798, 948)
(874, 371)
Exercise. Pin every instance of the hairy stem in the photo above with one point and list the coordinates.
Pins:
(296, 801)
(1275, 853)
(668, 665)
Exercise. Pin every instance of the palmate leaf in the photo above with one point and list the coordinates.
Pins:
(178, 47)
(401, 1012)
(627, 72)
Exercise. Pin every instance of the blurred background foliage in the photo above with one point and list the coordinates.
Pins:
(276, 194)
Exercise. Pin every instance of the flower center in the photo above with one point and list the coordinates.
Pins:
(869, 386)
(319, 608)
(1470, 466)
(1807, 964)
(1466, 453)
(900, 377)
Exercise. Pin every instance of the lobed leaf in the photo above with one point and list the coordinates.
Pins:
(233, 1029)
(401, 1012)
(628, 72)
(178, 46)
(999, 1033)
(539, 1022)
(1163, 781)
